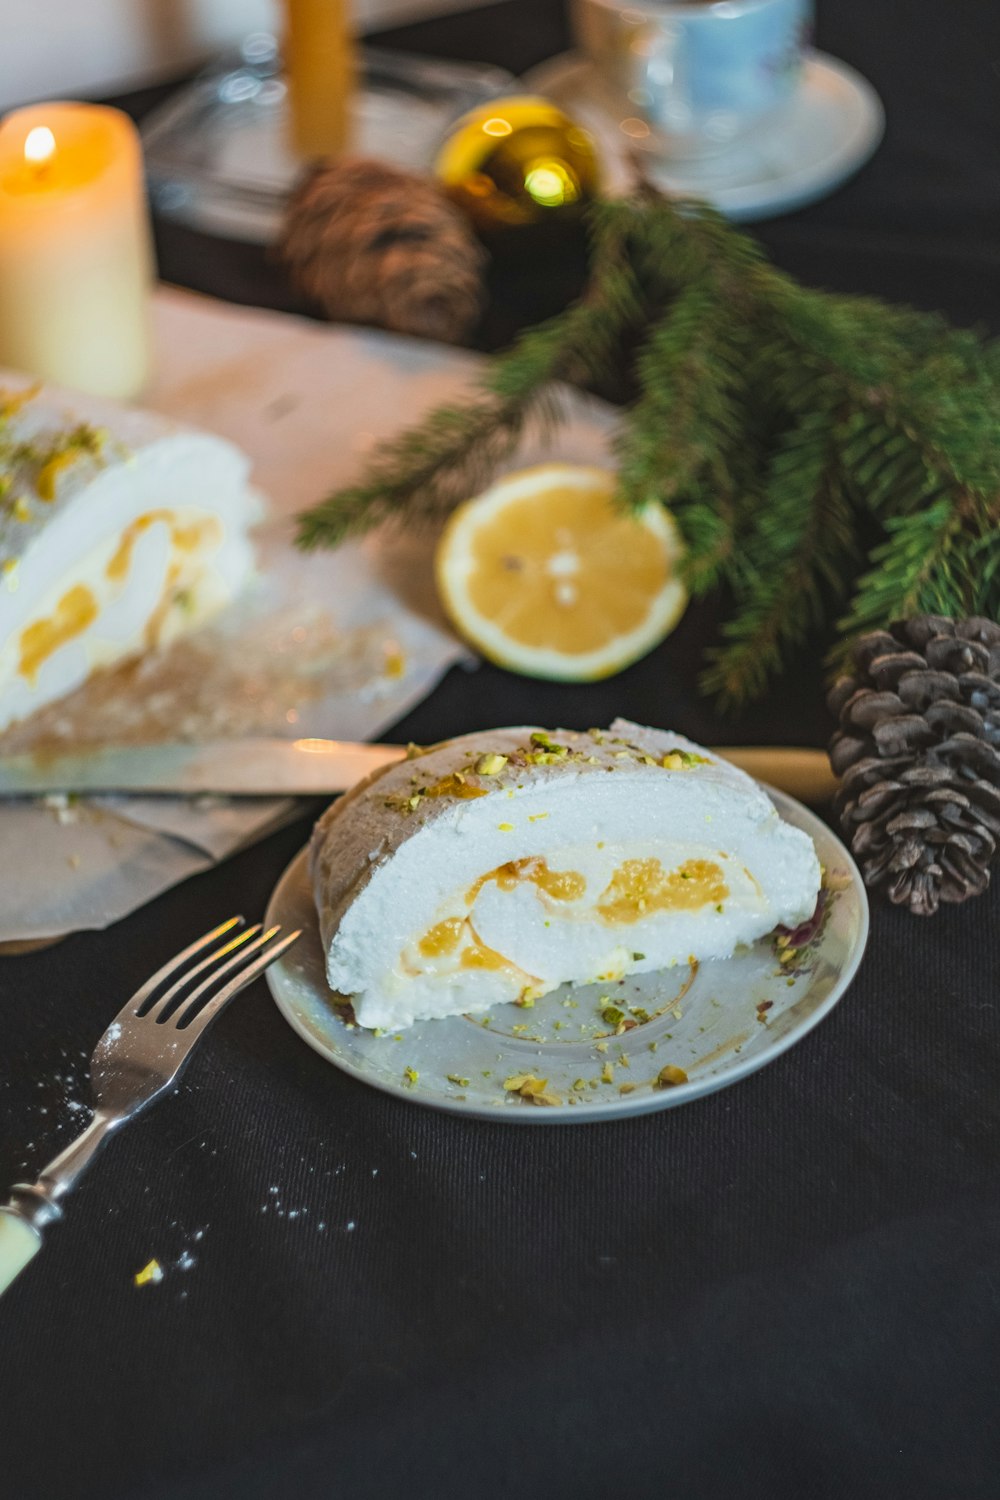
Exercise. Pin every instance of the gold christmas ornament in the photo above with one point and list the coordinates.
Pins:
(518, 161)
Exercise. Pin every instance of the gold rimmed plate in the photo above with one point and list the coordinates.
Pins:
(593, 1052)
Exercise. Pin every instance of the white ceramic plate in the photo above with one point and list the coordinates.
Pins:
(717, 1024)
(828, 131)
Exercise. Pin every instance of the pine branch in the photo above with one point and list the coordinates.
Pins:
(684, 443)
(430, 468)
(710, 531)
(925, 391)
(916, 570)
(788, 568)
(423, 472)
(780, 424)
(687, 420)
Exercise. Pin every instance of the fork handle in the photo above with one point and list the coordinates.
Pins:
(20, 1242)
(33, 1206)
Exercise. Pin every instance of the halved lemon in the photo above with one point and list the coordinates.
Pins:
(545, 575)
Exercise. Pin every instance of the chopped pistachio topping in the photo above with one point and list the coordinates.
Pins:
(150, 1274)
(544, 742)
(670, 1076)
(411, 1075)
(463, 1083)
(35, 462)
(531, 1088)
(491, 764)
(683, 760)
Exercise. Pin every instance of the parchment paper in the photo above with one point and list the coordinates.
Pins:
(338, 644)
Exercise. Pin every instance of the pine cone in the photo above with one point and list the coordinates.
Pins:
(918, 751)
(372, 244)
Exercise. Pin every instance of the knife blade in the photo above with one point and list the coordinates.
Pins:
(264, 767)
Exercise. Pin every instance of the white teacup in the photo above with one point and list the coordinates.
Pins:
(701, 74)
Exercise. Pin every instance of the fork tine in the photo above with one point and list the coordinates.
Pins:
(190, 1003)
(172, 965)
(163, 1005)
(237, 983)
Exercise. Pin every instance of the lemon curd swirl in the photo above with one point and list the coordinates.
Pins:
(75, 613)
(637, 888)
(561, 885)
(444, 938)
(641, 886)
(78, 608)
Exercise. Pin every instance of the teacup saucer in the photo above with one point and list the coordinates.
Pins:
(826, 133)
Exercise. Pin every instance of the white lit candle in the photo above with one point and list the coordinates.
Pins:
(75, 255)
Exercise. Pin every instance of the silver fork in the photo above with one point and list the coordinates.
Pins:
(141, 1054)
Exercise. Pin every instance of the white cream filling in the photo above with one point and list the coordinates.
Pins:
(164, 591)
(147, 550)
(559, 940)
(769, 871)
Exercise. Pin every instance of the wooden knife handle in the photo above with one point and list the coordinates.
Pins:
(805, 774)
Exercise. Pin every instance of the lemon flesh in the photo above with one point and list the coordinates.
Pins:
(546, 576)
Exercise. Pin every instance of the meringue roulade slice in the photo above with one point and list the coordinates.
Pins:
(495, 867)
(118, 532)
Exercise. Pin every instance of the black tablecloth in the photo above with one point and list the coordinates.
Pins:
(790, 1287)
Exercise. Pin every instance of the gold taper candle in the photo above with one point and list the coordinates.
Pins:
(320, 70)
(75, 249)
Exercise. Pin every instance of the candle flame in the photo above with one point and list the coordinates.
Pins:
(39, 144)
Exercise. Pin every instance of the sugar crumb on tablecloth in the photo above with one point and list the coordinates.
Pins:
(156, 1269)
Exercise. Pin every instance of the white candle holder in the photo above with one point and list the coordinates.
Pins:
(218, 153)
